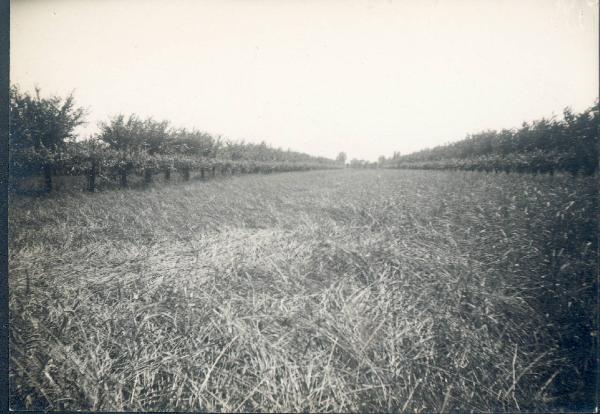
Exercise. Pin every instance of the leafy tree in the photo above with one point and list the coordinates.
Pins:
(356, 163)
(341, 158)
(135, 134)
(39, 127)
(37, 122)
(232, 150)
(193, 142)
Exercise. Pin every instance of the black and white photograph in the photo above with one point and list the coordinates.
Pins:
(302, 206)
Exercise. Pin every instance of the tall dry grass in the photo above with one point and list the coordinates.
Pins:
(321, 291)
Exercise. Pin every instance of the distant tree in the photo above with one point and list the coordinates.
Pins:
(135, 134)
(37, 122)
(356, 163)
(381, 161)
(341, 158)
(193, 142)
(232, 150)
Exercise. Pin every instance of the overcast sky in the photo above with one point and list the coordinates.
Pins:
(365, 77)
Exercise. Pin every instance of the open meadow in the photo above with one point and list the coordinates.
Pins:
(321, 291)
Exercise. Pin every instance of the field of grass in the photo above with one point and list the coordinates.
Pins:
(335, 291)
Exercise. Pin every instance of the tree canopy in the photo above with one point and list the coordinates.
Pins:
(37, 122)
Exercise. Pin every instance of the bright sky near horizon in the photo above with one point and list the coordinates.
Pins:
(365, 77)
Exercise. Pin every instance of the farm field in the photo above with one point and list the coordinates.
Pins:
(319, 291)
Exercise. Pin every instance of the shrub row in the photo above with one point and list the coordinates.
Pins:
(93, 161)
(538, 162)
(569, 144)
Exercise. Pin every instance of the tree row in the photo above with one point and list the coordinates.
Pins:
(43, 143)
(567, 144)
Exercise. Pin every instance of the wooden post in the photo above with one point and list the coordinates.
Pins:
(47, 177)
(92, 178)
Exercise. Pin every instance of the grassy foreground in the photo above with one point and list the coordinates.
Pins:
(327, 291)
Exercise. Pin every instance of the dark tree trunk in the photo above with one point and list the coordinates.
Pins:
(214, 171)
(168, 174)
(92, 178)
(47, 177)
(185, 173)
(202, 173)
(123, 180)
(147, 176)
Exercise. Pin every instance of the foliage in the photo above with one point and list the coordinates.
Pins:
(193, 142)
(43, 142)
(356, 163)
(37, 122)
(39, 125)
(135, 134)
(545, 146)
(341, 158)
(79, 158)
